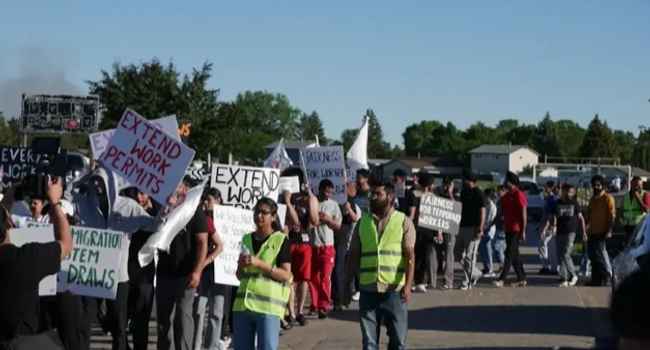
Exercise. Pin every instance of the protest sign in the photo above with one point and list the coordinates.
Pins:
(231, 224)
(42, 233)
(282, 213)
(243, 186)
(321, 163)
(289, 183)
(99, 140)
(149, 158)
(440, 214)
(19, 162)
(94, 265)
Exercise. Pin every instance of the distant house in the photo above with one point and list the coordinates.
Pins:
(440, 166)
(487, 159)
(293, 149)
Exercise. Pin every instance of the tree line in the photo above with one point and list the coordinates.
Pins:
(244, 126)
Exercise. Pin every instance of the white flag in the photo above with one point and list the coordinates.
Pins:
(176, 221)
(278, 159)
(358, 154)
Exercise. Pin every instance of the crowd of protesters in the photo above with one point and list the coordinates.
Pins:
(369, 250)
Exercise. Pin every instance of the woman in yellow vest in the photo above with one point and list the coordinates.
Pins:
(264, 273)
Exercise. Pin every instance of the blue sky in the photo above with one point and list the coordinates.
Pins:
(409, 61)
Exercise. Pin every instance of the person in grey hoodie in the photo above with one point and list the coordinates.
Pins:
(98, 205)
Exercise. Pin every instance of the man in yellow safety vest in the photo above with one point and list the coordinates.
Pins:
(382, 251)
(634, 207)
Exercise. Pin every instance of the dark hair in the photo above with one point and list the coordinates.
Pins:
(469, 176)
(598, 178)
(363, 173)
(636, 178)
(512, 178)
(628, 301)
(294, 171)
(550, 184)
(3, 221)
(388, 186)
(489, 192)
(399, 173)
(211, 191)
(447, 180)
(425, 179)
(325, 183)
(274, 211)
(567, 186)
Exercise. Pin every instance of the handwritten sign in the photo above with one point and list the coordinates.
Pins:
(94, 266)
(18, 162)
(242, 186)
(321, 163)
(440, 214)
(231, 224)
(40, 233)
(147, 157)
(99, 140)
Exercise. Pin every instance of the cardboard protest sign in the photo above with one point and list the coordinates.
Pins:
(321, 163)
(289, 183)
(147, 157)
(42, 233)
(231, 224)
(440, 214)
(243, 186)
(94, 266)
(99, 140)
(282, 213)
(18, 162)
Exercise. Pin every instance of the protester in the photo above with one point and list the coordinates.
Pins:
(22, 269)
(178, 274)
(363, 190)
(601, 216)
(351, 215)
(141, 278)
(487, 241)
(514, 204)
(383, 251)
(36, 214)
(330, 218)
(426, 259)
(302, 217)
(211, 295)
(567, 215)
(634, 207)
(264, 272)
(547, 230)
(448, 239)
(399, 181)
(471, 229)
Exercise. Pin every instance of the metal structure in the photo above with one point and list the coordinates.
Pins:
(59, 114)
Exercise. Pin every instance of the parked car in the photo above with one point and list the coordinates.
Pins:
(535, 197)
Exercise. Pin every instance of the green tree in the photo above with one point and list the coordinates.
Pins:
(570, 135)
(419, 138)
(8, 131)
(625, 142)
(641, 153)
(598, 141)
(546, 140)
(347, 138)
(377, 147)
(309, 126)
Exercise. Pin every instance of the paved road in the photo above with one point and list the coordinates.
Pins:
(540, 316)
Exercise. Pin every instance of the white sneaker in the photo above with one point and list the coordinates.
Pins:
(498, 283)
(356, 296)
(490, 275)
(564, 284)
(421, 288)
(574, 281)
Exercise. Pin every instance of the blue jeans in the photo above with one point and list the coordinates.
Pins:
(601, 268)
(486, 249)
(499, 245)
(388, 308)
(247, 325)
(211, 297)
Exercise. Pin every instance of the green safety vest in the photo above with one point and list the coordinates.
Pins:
(632, 212)
(382, 259)
(257, 292)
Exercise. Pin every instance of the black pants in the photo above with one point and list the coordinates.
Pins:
(117, 313)
(512, 258)
(141, 297)
(65, 313)
(426, 259)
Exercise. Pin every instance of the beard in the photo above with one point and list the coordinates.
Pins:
(378, 206)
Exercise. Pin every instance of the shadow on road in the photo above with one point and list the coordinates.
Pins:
(526, 319)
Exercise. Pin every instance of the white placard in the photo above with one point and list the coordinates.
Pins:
(99, 140)
(147, 157)
(289, 183)
(39, 233)
(321, 163)
(282, 213)
(231, 224)
(243, 186)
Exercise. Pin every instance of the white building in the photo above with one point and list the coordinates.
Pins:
(487, 159)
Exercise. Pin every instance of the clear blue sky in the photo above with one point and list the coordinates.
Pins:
(409, 61)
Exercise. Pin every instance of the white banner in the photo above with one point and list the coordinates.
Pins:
(146, 156)
(231, 224)
(321, 163)
(99, 140)
(243, 186)
(289, 183)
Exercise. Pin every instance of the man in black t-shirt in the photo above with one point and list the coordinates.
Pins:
(22, 269)
(178, 274)
(566, 216)
(471, 229)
